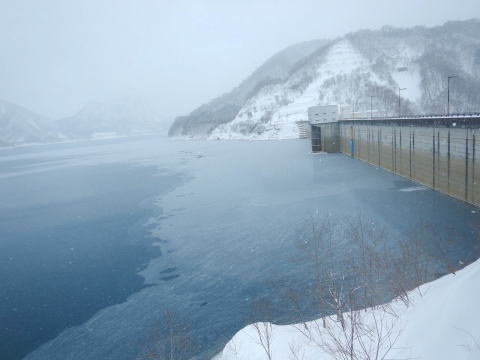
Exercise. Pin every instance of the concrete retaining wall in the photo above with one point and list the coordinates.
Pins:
(443, 156)
(326, 137)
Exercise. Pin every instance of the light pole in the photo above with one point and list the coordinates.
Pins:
(371, 106)
(400, 101)
(448, 92)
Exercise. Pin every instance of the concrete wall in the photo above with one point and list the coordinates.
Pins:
(326, 137)
(440, 155)
(303, 129)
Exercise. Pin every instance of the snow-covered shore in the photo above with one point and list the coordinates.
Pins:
(441, 323)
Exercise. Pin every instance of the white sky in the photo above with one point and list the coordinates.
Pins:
(56, 55)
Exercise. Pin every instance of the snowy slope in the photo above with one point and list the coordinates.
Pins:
(119, 117)
(274, 111)
(441, 324)
(19, 126)
(201, 121)
(349, 70)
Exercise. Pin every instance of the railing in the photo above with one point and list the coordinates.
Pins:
(424, 116)
(466, 121)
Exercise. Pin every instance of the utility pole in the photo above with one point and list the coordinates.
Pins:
(371, 106)
(448, 92)
(400, 101)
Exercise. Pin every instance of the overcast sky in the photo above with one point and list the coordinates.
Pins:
(57, 55)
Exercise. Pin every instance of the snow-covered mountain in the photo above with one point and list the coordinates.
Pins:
(19, 125)
(348, 71)
(223, 109)
(119, 117)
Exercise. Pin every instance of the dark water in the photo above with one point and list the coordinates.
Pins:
(71, 244)
(218, 221)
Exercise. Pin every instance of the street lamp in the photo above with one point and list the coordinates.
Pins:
(448, 92)
(399, 100)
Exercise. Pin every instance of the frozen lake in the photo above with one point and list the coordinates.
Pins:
(99, 238)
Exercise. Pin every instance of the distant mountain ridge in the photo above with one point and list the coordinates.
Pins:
(348, 71)
(119, 117)
(19, 125)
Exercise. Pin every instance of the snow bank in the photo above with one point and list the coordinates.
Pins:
(441, 324)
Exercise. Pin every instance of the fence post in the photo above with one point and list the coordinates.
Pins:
(378, 140)
(393, 152)
(413, 153)
(368, 143)
(466, 166)
(448, 161)
(352, 149)
(438, 154)
(473, 167)
(433, 153)
(400, 148)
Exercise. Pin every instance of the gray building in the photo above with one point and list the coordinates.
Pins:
(323, 114)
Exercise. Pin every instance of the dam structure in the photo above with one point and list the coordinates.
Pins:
(441, 152)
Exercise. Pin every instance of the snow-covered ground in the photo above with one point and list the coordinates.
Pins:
(441, 323)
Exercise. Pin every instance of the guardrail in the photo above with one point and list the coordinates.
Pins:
(467, 121)
(424, 116)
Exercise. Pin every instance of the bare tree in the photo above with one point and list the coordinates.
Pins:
(296, 351)
(472, 344)
(263, 329)
(368, 334)
(234, 347)
(345, 285)
(171, 342)
(264, 337)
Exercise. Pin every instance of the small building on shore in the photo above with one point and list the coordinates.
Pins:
(323, 114)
